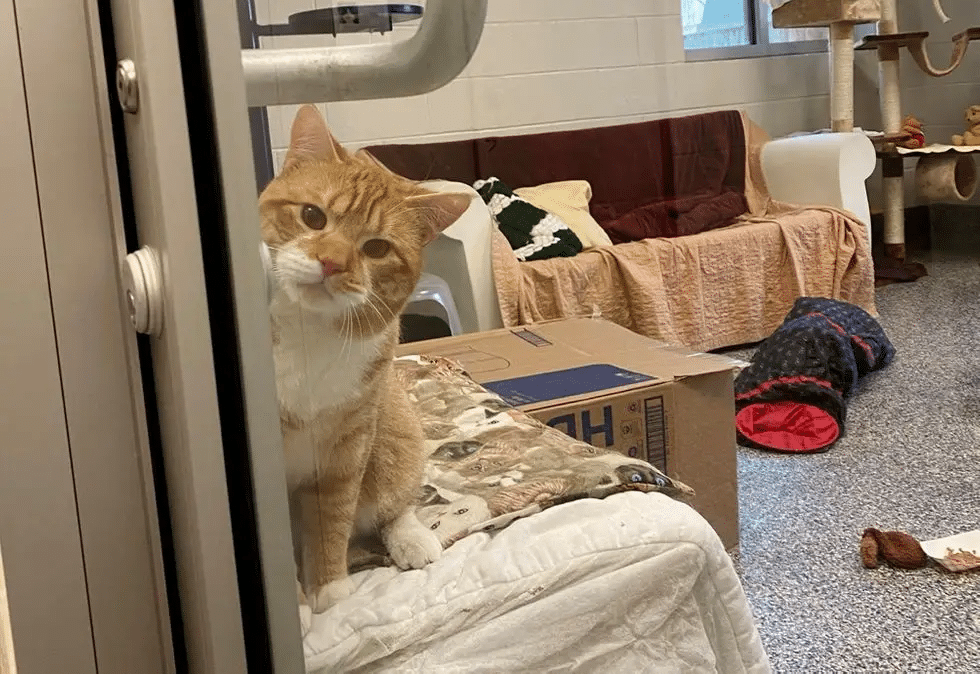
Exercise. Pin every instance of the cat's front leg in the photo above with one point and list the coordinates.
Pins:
(327, 510)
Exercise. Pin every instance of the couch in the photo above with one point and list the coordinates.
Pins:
(740, 226)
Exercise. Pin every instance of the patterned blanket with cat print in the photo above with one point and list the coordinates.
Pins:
(490, 463)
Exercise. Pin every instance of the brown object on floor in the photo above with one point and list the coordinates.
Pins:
(889, 270)
(897, 548)
(893, 268)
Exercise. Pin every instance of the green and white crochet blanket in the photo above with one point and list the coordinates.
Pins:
(533, 233)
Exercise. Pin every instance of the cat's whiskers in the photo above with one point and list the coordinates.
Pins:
(347, 335)
(370, 303)
(360, 328)
(391, 313)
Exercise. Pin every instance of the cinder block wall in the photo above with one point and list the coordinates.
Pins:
(563, 64)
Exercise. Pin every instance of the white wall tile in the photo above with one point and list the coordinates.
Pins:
(780, 118)
(545, 46)
(278, 157)
(660, 39)
(279, 10)
(451, 107)
(262, 11)
(542, 10)
(360, 120)
(556, 64)
(583, 94)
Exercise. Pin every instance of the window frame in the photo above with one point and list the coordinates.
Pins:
(761, 47)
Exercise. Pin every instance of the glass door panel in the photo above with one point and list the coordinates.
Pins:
(219, 84)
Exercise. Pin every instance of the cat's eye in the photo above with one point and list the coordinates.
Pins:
(376, 248)
(313, 217)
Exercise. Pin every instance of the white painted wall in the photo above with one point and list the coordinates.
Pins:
(561, 64)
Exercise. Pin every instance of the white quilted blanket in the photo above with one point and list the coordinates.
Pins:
(636, 582)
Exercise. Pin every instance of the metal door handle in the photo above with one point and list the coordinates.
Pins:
(431, 58)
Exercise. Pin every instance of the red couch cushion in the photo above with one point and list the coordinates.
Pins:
(453, 160)
(678, 217)
(684, 174)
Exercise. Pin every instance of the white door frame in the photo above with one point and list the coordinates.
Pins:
(78, 517)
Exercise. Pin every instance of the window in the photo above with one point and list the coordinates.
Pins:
(737, 28)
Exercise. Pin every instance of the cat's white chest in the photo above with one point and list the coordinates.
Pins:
(318, 366)
(317, 370)
(321, 375)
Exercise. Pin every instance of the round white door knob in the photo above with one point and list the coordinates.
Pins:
(143, 281)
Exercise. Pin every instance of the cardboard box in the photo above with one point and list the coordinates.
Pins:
(610, 387)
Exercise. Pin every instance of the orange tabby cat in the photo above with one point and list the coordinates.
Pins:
(346, 239)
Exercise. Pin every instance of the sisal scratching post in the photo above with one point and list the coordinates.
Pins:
(893, 190)
(842, 77)
(840, 16)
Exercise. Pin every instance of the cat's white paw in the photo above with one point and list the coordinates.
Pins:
(305, 619)
(411, 544)
(330, 594)
(305, 612)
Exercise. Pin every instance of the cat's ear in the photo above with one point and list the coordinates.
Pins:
(311, 139)
(369, 159)
(366, 157)
(439, 210)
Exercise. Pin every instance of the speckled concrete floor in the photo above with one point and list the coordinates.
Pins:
(909, 460)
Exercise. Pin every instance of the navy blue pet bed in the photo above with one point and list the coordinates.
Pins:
(791, 398)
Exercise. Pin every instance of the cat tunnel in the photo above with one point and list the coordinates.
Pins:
(949, 176)
(793, 395)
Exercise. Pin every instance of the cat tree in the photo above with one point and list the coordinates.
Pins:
(944, 172)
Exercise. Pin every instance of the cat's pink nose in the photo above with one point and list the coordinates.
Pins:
(330, 267)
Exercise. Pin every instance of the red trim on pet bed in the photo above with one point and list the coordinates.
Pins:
(787, 426)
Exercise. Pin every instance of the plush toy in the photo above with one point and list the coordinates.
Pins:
(972, 134)
(897, 548)
(912, 127)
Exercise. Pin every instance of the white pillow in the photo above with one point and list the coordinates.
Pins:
(569, 200)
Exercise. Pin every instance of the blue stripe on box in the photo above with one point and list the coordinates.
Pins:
(575, 381)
